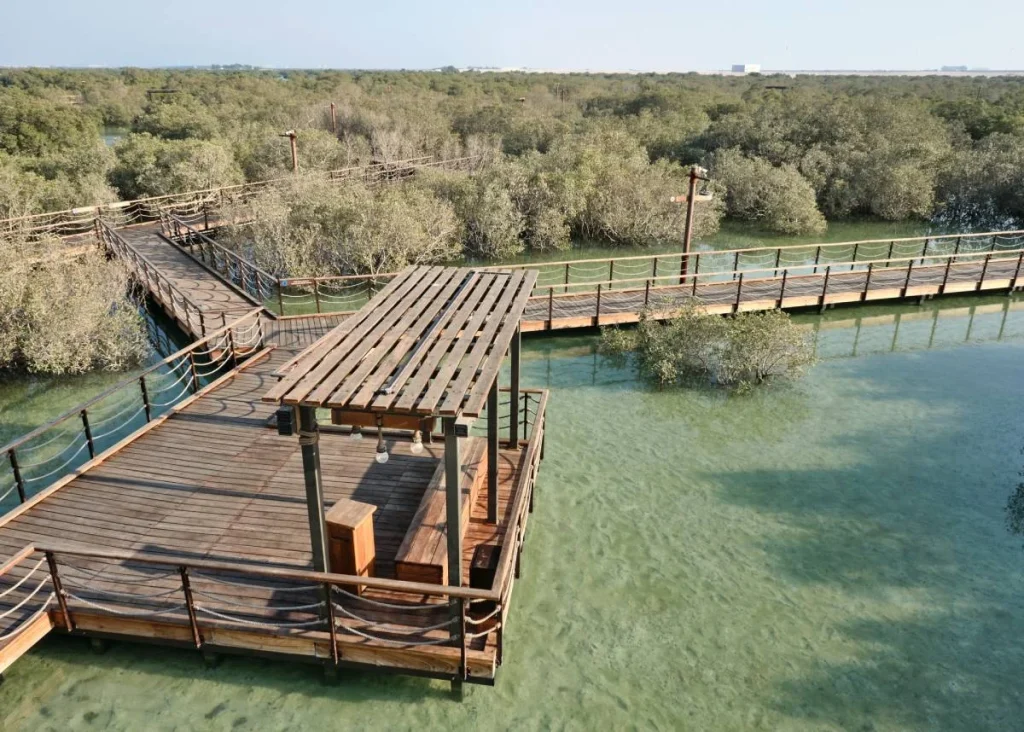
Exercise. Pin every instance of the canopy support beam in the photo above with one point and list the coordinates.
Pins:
(309, 442)
(513, 421)
(453, 501)
(492, 454)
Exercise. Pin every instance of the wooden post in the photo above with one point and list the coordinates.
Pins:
(817, 258)
(145, 397)
(735, 265)
(309, 444)
(463, 670)
(647, 292)
(654, 274)
(453, 501)
(1016, 273)
(88, 433)
(316, 294)
(193, 621)
(611, 271)
(566, 277)
(334, 119)
(18, 479)
(688, 226)
(867, 281)
(332, 625)
(853, 260)
(58, 590)
(551, 305)
(782, 292)
(597, 309)
(492, 453)
(513, 422)
(739, 294)
(280, 296)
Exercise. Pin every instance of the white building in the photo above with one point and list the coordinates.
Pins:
(746, 68)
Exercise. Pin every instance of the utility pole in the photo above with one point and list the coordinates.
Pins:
(334, 119)
(696, 173)
(290, 134)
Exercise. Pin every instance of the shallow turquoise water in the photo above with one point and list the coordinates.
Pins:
(825, 555)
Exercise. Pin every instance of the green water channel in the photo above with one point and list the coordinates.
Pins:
(825, 555)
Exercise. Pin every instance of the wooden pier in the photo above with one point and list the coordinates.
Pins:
(194, 529)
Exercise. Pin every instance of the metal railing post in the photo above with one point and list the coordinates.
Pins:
(88, 433)
(945, 275)
(782, 292)
(597, 309)
(906, 282)
(739, 294)
(867, 281)
(19, 481)
(195, 373)
(984, 269)
(58, 590)
(824, 287)
(551, 305)
(193, 620)
(145, 397)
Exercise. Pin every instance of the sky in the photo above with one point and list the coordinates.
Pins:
(603, 35)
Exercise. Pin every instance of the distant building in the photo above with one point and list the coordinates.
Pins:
(747, 68)
(954, 68)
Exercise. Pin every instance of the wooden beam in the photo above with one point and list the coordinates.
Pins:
(492, 454)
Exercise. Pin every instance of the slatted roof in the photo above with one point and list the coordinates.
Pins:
(430, 343)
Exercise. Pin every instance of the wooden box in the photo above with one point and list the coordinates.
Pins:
(350, 539)
(484, 566)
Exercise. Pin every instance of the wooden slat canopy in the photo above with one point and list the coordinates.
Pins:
(430, 343)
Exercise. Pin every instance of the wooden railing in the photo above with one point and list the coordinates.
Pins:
(800, 285)
(204, 204)
(57, 448)
(177, 304)
(255, 283)
(731, 262)
(347, 293)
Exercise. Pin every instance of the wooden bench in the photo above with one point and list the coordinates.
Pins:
(423, 555)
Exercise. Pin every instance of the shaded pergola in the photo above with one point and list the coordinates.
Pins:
(430, 345)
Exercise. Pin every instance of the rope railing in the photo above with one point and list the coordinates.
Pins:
(201, 204)
(64, 444)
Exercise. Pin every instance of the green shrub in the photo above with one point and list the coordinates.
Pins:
(741, 350)
(64, 315)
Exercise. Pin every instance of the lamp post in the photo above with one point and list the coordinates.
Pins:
(696, 173)
(290, 134)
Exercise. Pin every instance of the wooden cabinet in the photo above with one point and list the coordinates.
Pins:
(350, 539)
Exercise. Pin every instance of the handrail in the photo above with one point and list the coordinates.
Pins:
(79, 219)
(232, 255)
(864, 263)
(151, 392)
(76, 410)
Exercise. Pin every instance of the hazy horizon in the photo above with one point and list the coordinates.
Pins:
(572, 36)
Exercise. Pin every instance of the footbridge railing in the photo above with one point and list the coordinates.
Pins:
(205, 204)
(56, 449)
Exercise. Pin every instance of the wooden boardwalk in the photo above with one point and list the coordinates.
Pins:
(787, 288)
(196, 297)
(214, 483)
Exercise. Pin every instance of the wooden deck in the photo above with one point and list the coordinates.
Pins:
(214, 483)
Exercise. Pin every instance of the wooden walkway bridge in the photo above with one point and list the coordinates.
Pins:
(595, 292)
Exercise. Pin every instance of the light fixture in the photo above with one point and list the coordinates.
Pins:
(357, 433)
(382, 449)
(417, 443)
